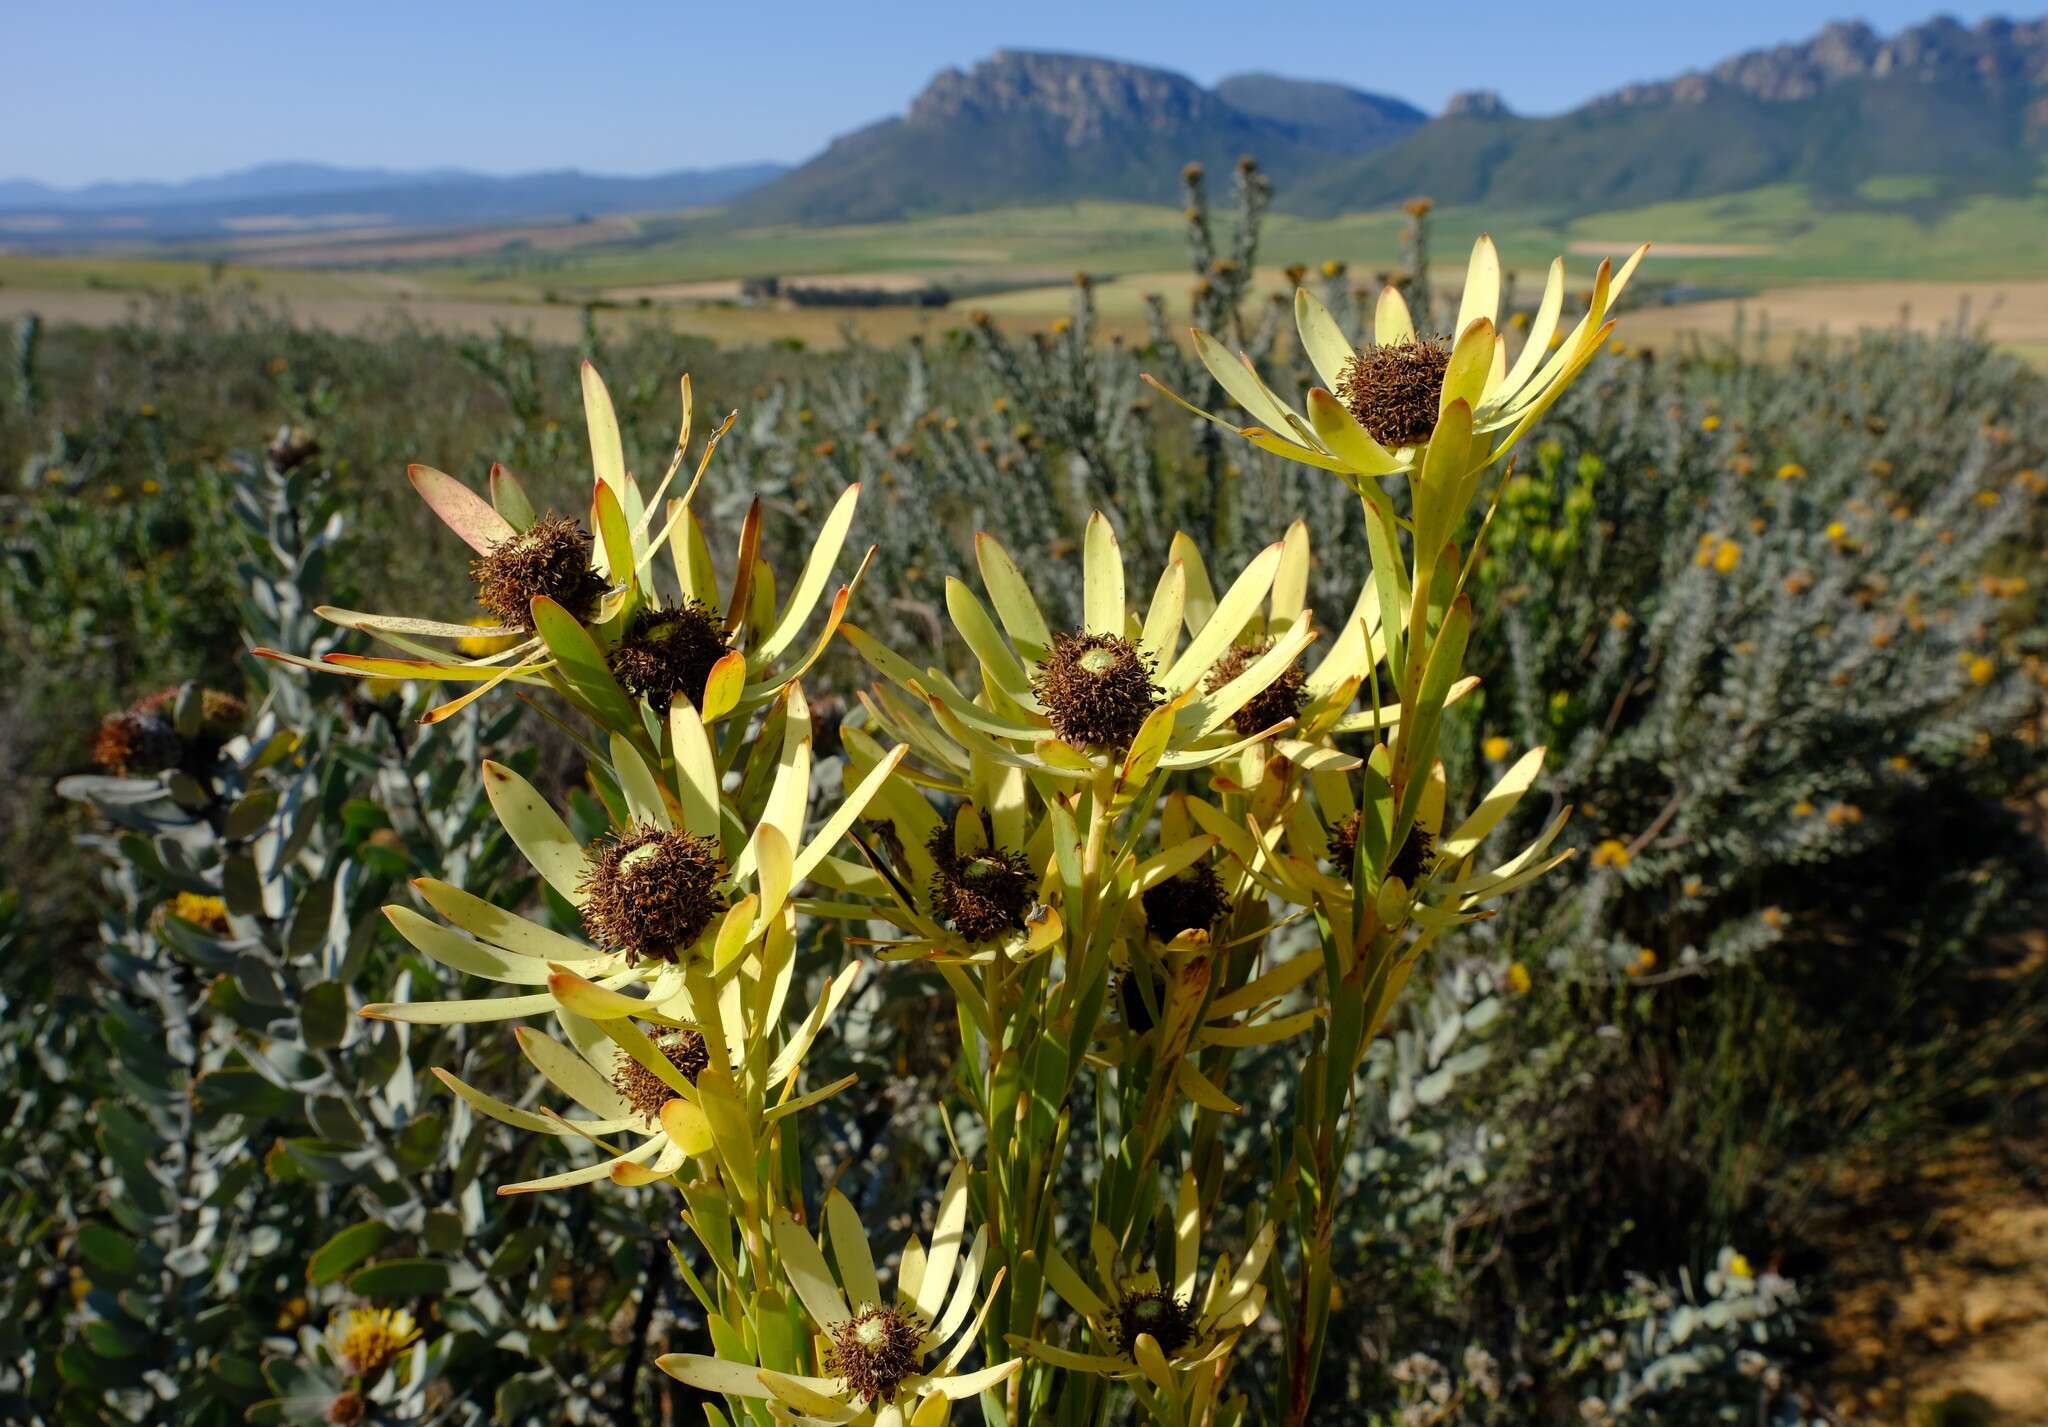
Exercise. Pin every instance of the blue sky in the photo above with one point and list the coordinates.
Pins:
(125, 89)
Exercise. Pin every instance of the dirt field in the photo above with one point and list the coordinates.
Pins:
(2012, 314)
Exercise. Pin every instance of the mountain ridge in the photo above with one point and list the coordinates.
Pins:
(1024, 126)
(281, 197)
(1963, 108)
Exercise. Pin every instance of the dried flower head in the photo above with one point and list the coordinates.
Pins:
(1276, 703)
(1170, 1321)
(1414, 858)
(1409, 863)
(1393, 390)
(348, 1408)
(1192, 901)
(875, 1351)
(549, 558)
(984, 894)
(670, 652)
(1097, 689)
(368, 1339)
(129, 743)
(652, 891)
(647, 1092)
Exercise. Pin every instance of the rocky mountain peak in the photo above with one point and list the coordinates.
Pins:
(1478, 103)
(1086, 100)
(1994, 55)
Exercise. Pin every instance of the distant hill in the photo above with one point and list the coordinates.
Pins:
(1965, 107)
(1025, 127)
(293, 197)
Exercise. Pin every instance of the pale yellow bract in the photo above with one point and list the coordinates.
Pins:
(1502, 401)
(937, 1284)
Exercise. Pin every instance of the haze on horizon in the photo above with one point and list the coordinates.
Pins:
(130, 91)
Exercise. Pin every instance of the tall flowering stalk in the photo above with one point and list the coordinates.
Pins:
(1440, 415)
(1191, 825)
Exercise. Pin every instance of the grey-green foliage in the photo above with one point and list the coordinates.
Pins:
(1673, 1351)
(1748, 678)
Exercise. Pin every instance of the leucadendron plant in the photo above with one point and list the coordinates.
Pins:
(1192, 824)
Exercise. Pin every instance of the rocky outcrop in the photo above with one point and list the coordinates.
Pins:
(1996, 55)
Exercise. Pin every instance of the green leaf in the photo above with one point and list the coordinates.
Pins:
(247, 817)
(323, 1015)
(108, 1251)
(345, 1250)
(401, 1278)
(583, 665)
(509, 498)
(234, 1091)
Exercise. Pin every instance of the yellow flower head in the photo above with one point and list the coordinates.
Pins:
(1518, 979)
(1710, 423)
(1791, 471)
(1612, 853)
(1496, 748)
(1982, 670)
(1738, 1267)
(1727, 557)
(209, 914)
(369, 1339)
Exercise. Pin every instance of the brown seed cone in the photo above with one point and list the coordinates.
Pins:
(1393, 390)
(130, 743)
(647, 1092)
(1276, 703)
(1097, 689)
(1192, 901)
(984, 895)
(549, 558)
(670, 652)
(653, 891)
(1409, 864)
(874, 1351)
(1170, 1321)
